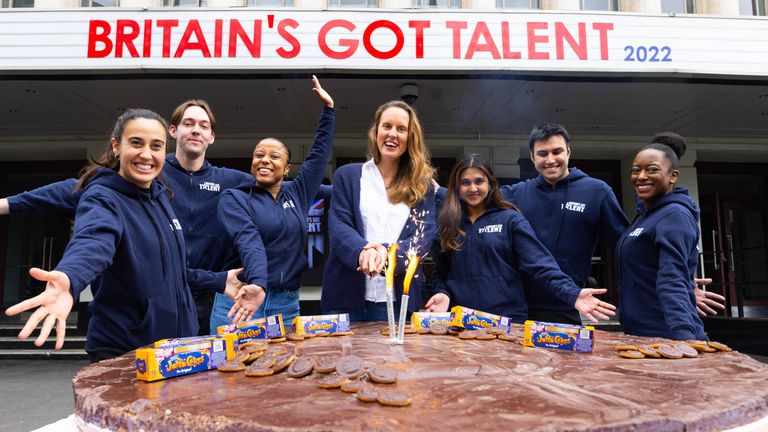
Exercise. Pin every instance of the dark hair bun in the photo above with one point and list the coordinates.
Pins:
(672, 140)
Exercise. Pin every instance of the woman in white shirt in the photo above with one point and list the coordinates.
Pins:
(390, 198)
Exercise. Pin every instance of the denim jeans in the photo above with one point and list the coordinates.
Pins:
(276, 302)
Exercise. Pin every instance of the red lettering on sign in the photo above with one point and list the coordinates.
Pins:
(147, 46)
(98, 33)
(562, 34)
(167, 25)
(603, 28)
(383, 55)
(282, 30)
(533, 39)
(419, 26)
(125, 32)
(505, 47)
(236, 31)
(193, 28)
(350, 44)
(218, 35)
(457, 27)
(481, 31)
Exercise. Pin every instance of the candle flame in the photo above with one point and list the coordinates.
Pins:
(413, 263)
(390, 272)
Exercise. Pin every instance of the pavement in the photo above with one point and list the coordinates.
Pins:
(34, 393)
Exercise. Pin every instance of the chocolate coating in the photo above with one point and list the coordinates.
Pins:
(454, 385)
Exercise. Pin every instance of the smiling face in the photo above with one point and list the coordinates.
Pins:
(550, 157)
(392, 134)
(652, 175)
(270, 163)
(473, 189)
(194, 133)
(141, 151)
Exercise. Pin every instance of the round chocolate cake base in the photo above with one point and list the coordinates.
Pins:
(453, 384)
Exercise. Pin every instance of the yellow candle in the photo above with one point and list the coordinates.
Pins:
(390, 272)
(413, 263)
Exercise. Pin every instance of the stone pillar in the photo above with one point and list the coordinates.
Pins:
(141, 3)
(560, 5)
(225, 3)
(478, 4)
(57, 4)
(395, 4)
(716, 7)
(310, 4)
(646, 6)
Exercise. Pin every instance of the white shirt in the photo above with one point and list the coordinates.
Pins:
(382, 220)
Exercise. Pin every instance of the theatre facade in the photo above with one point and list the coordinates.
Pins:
(480, 79)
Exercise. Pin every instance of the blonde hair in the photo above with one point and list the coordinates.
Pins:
(414, 171)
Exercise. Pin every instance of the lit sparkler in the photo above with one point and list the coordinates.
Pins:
(390, 289)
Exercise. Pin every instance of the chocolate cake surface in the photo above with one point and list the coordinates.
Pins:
(454, 384)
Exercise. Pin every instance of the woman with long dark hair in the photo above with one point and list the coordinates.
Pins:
(127, 244)
(485, 245)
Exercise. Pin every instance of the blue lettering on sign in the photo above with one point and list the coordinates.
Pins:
(650, 54)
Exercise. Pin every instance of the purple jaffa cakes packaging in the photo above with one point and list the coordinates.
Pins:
(321, 324)
(567, 337)
(260, 328)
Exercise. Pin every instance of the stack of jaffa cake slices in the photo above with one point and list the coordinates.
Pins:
(672, 350)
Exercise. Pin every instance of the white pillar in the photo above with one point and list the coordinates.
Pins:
(141, 3)
(57, 4)
(478, 4)
(226, 3)
(716, 7)
(395, 4)
(560, 5)
(646, 6)
(310, 4)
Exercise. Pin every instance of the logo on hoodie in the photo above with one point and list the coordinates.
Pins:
(176, 224)
(209, 186)
(288, 204)
(636, 232)
(490, 229)
(574, 206)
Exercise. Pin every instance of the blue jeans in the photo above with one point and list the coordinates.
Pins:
(371, 311)
(276, 302)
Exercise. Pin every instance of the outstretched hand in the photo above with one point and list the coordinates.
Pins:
(247, 302)
(324, 96)
(54, 303)
(438, 303)
(592, 307)
(706, 300)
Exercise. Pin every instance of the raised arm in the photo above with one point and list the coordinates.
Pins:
(312, 171)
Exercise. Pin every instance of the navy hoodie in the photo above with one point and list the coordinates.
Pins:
(271, 234)
(657, 258)
(485, 273)
(568, 218)
(128, 244)
(195, 202)
(343, 284)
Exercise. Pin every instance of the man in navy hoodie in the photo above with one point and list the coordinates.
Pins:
(569, 211)
(196, 185)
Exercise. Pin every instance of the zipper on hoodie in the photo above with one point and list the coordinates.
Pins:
(168, 268)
